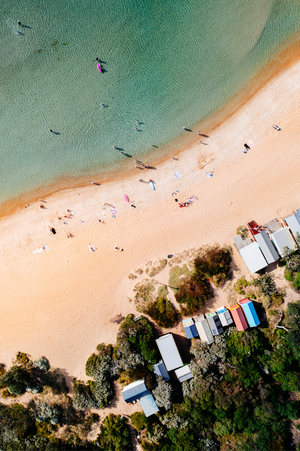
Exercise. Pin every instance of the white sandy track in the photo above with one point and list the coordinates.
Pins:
(57, 303)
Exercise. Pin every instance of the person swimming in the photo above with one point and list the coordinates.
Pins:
(19, 22)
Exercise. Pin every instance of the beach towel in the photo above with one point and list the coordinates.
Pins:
(192, 199)
(250, 142)
(209, 174)
(177, 174)
(113, 210)
(91, 248)
(41, 249)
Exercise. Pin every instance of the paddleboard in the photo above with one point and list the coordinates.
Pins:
(99, 67)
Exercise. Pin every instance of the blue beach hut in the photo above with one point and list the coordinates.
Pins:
(190, 328)
(250, 312)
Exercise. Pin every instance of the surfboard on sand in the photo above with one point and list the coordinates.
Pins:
(152, 185)
(126, 197)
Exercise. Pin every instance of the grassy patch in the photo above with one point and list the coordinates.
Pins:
(162, 291)
(156, 269)
(174, 276)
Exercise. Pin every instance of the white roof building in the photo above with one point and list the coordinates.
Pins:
(204, 330)
(293, 222)
(283, 238)
(184, 373)
(169, 352)
(224, 316)
(253, 257)
(266, 247)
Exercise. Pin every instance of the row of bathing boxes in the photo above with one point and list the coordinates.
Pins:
(242, 314)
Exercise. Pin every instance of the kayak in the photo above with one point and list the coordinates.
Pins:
(99, 67)
(126, 197)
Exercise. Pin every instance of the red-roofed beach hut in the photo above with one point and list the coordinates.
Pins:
(238, 317)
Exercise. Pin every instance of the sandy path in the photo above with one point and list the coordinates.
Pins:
(57, 303)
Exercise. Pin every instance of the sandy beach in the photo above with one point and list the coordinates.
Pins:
(58, 302)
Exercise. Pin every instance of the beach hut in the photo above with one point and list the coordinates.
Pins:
(293, 223)
(250, 312)
(224, 316)
(266, 247)
(240, 243)
(183, 373)
(148, 405)
(214, 323)
(160, 370)
(283, 239)
(134, 391)
(204, 330)
(190, 328)
(169, 352)
(238, 317)
(253, 257)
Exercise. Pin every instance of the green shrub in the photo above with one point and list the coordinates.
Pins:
(193, 294)
(42, 363)
(215, 264)
(22, 359)
(163, 312)
(16, 380)
(139, 420)
(114, 434)
(288, 275)
(140, 336)
(296, 283)
(242, 231)
(83, 398)
(240, 286)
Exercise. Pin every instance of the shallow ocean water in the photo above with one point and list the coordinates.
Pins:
(165, 63)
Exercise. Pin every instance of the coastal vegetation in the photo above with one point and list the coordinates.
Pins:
(244, 393)
(292, 267)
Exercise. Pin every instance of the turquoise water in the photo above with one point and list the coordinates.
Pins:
(167, 63)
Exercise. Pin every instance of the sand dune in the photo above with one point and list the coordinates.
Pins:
(57, 303)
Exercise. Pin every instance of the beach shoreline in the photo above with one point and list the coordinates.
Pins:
(124, 169)
(58, 303)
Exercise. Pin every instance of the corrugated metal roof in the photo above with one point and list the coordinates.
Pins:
(184, 373)
(148, 405)
(238, 317)
(293, 222)
(203, 329)
(266, 247)
(190, 328)
(160, 370)
(250, 312)
(224, 316)
(169, 352)
(253, 257)
(134, 391)
(214, 323)
(282, 239)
